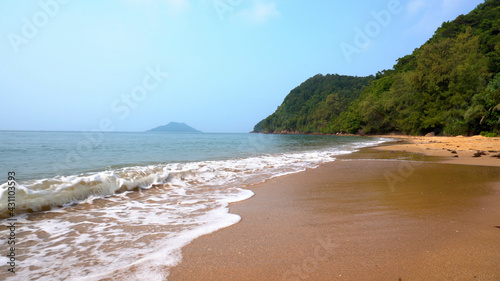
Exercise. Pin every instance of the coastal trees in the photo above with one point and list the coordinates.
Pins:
(433, 90)
(313, 105)
(450, 85)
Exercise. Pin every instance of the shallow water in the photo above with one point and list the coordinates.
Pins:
(130, 203)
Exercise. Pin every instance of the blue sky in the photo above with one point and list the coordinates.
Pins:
(217, 65)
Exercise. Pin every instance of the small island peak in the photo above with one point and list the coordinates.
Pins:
(175, 127)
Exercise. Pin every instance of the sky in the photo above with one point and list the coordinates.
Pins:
(217, 65)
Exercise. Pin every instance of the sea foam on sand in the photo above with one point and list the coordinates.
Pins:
(136, 232)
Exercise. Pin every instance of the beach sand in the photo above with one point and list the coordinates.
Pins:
(371, 215)
(456, 150)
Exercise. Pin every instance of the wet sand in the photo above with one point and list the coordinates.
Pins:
(476, 150)
(371, 215)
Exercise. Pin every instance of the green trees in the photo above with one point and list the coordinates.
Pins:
(310, 107)
(450, 85)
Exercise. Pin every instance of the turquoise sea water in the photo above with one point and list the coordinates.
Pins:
(36, 155)
(122, 205)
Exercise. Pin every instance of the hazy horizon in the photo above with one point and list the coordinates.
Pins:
(216, 65)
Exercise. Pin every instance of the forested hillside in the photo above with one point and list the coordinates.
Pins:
(314, 104)
(450, 85)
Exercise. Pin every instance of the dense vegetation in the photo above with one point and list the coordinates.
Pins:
(450, 85)
(314, 104)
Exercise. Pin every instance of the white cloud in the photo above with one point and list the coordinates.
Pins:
(260, 12)
(450, 7)
(172, 6)
(439, 8)
(415, 6)
(428, 15)
(177, 5)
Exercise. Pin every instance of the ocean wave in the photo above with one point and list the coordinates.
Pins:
(44, 194)
(134, 233)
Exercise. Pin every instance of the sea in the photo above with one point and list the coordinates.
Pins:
(121, 205)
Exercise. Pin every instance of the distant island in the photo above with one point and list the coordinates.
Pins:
(174, 127)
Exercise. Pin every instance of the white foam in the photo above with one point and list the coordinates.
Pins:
(127, 236)
(139, 235)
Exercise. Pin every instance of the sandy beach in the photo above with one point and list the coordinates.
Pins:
(476, 150)
(389, 213)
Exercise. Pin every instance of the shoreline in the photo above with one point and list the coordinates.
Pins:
(476, 150)
(437, 221)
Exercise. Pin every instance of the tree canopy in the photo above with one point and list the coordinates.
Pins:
(450, 85)
(313, 105)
